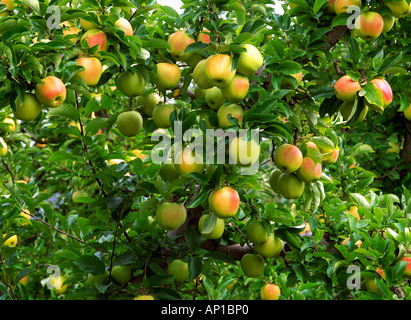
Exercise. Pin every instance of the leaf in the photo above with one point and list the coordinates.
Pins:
(361, 200)
(318, 4)
(209, 224)
(373, 95)
(191, 238)
(289, 67)
(194, 267)
(90, 264)
(222, 257)
(66, 111)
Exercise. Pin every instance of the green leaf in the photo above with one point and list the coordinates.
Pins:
(194, 267)
(90, 264)
(289, 67)
(66, 111)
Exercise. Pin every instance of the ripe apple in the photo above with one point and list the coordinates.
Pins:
(214, 98)
(250, 61)
(129, 123)
(291, 187)
(346, 89)
(407, 271)
(341, 6)
(161, 115)
(218, 70)
(168, 172)
(331, 157)
(148, 103)
(256, 232)
(370, 283)
(252, 264)
(78, 194)
(179, 269)
(388, 23)
(122, 274)
(10, 124)
(10, 4)
(3, 147)
(386, 91)
(288, 158)
(407, 113)
(244, 153)
(270, 248)
(29, 109)
(399, 9)
(288, 84)
(238, 88)
(87, 25)
(178, 43)
(144, 297)
(59, 286)
(222, 114)
(52, 92)
(218, 230)
(187, 161)
(224, 202)
(93, 71)
(11, 241)
(199, 76)
(169, 216)
(310, 170)
(270, 292)
(125, 25)
(369, 25)
(204, 36)
(130, 83)
(168, 76)
(273, 179)
(96, 37)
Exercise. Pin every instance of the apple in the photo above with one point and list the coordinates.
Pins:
(394, 147)
(199, 93)
(346, 89)
(144, 297)
(11, 241)
(386, 91)
(148, 103)
(214, 98)
(87, 25)
(369, 25)
(29, 109)
(10, 124)
(224, 202)
(94, 279)
(388, 23)
(122, 274)
(273, 179)
(194, 59)
(257, 232)
(237, 90)
(59, 286)
(250, 61)
(216, 233)
(129, 123)
(353, 210)
(331, 157)
(125, 25)
(218, 70)
(229, 109)
(70, 29)
(78, 194)
(288, 158)
(270, 292)
(199, 76)
(252, 264)
(204, 36)
(96, 37)
(179, 269)
(407, 113)
(330, 6)
(270, 248)
(168, 76)
(399, 9)
(347, 107)
(93, 71)
(370, 283)
(291, 187)
(130, 83)
(341, 6)
(10, 4)
(52, 92)
(310, 170)
(169, 216)
(243, 152)
(407, 271)
(161, 115)
(168, 172)
(187, 161)
(178, 43)
(3, 147)
(288, 84)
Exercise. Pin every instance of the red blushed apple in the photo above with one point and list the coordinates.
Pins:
(178, 43)
(96, 37)
(125, 25)
(52, 92)
(385, 89)
(369, 25)
(407, 272)
(204, 36)
(93, 70)
(346, 89)
(224, 202)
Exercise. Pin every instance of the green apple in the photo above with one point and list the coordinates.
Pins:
(252, 264)
(222, 114)
(129, 123)
(148, 103)
(270, 248)
(218, 70)
(291, 187)
(122, 274)
(161, 115)
(388, 23)
(244, 153)
(250, 61)
(3, 147)
(273, 179)
(237, 89)
(29, 109)
(94, 279)
(217, 231)
(200, 77)
(169, 216)
(130, 83)
(187, 161)
(179, 269)
(78, 194)
(257, 232)
(214, 98)
(399, 9)
(168, 172)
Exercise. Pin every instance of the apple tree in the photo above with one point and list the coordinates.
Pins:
(231, 151)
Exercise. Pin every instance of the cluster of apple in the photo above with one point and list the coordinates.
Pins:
(370, 24)
(346, 90)
(294, 169)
